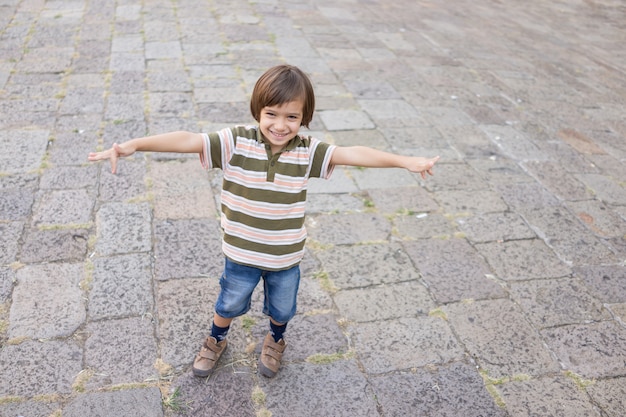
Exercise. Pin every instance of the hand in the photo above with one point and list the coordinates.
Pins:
(422, 165)
(112, 154)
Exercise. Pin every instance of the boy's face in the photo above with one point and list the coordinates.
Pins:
(279, 124)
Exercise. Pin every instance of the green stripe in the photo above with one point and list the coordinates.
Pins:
(263, 224)
(260, 248)
(254, 194)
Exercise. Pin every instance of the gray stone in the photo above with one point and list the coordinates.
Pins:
(139, 402)
(492, 227)
(526, 196)
(392, 113)
(185, 314)
(345, 120)
(110, 340)
(15, 204)
(227, 392)
(121, 286)
(609, 395)
(339, 182)
(308, 335)
(9, 238)
(28, 371)
(181, 191)
(446, 391)
(470, 202)
(453, 270)
(598, 218)
(334, 203)
(188, 248)
(608, 282)
(126, 184)
(311, 296)
(558, 181)
(29, 408)
(424, 226)
(123, 228)
(371, 178)
(404, 343)
(605, 188)
(289, 392)
(567, 236)
(47, 301)
(49, 245)
(595, 350)
(163, 50)
(501, 349)
(550, 396)
(387, 301)
(556, 302)
(496, 170)
(402, 199)
(455, 177)
(23, 150)
(64, 177)
(7, 279)
(378, 264)
(63, 207)
(513, 143)
(343, 229)
(522, 259)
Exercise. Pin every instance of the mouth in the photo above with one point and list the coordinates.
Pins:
(279, 135)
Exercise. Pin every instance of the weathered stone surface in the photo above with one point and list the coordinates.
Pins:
(605, 188)
(610, 395)
(7, 279)
(600, 219)
(66, 177)
(556, 302)
(185, 314)
(400, 199)
(424, 226)
(502, 349)
(608, 282)
(522, 259)
(339, 182)
(123, 228)
(335, 203)
(558, 181)
(9, 236)
(188, 248)
(546, 396)
(63, 207)
(526, 196)
(121, 286)
(479, 201)
(405, 343)
(567, 236)
(513, 143)
(345, 120)
(181, 191)
(490, 227)
(47, 301)
(288, 392)
(110, 340)
(455, 177)
(593, 350)
(453, 270)
(227, 392)
(23, 150)
(378, 264)
(54, 245)
(343, 229)
(29, 408)
(387, 301)
(139, 402)
(372, 178)
(15, 204)
(27, 370)
(452, 390)
(126, 184)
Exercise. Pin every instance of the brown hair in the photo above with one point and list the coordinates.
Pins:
(282, 84)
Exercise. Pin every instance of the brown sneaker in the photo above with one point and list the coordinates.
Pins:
(271, 354)
(208, 356)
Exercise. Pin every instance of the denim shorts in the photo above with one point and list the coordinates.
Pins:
(239, 281)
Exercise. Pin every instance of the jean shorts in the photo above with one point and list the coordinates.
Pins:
(239, 281)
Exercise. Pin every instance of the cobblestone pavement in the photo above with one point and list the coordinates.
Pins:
(495, 288)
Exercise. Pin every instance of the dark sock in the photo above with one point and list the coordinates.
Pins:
(277, 331)
(219, 333)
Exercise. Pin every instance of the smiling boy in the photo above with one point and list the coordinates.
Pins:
(266, 171)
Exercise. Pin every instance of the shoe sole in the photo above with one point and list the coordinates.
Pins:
(265, 371)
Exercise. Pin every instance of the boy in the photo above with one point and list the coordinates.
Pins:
(266, 169)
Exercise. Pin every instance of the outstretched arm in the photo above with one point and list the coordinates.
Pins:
(374, 158)
(182, 142)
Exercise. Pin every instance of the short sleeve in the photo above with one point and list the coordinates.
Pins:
(321, 153)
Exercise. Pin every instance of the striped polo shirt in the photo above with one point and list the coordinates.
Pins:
(263, 195)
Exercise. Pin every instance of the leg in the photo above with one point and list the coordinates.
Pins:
(281, 289)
